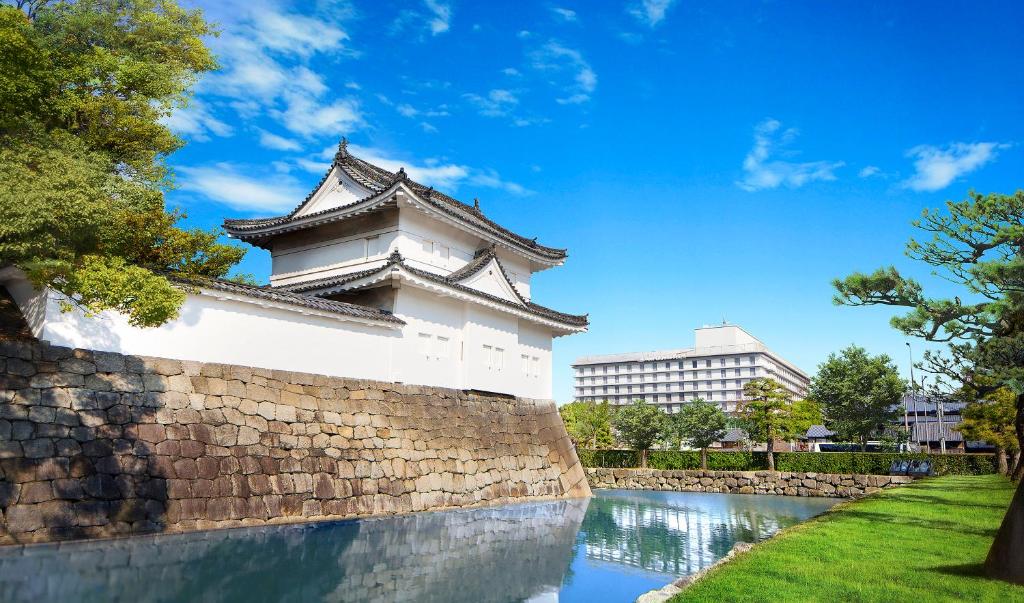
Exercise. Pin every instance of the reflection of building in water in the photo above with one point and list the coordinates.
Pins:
(677, 540)
(519, 552)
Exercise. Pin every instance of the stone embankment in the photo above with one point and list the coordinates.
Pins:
(744, 482)
(98, 444)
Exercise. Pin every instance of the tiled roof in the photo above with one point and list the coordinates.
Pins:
(378, 180)
(334, 284)
(295, 299)
(734, 434)
(819, 431)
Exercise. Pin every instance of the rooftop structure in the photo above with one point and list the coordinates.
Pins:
(373, 276)
(724, 358)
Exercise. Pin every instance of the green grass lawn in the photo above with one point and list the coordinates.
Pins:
(922, 542)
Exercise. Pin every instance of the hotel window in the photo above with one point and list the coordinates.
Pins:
(736, 361)
(694, 364)
(707, 364)
(722, 373)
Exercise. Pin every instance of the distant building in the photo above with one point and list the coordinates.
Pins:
(724, 358)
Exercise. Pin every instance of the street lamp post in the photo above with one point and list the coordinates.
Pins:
(913, 392)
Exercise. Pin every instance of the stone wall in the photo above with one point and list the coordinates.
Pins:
(744, 482)
(96, 444)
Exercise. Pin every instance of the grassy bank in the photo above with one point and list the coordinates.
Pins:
(923, 542)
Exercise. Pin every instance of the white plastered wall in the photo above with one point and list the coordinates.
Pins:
(235, 332)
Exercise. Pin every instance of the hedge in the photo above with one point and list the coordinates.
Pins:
(877, 463)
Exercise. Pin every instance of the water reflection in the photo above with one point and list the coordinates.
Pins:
(681, 533)
(612, 547)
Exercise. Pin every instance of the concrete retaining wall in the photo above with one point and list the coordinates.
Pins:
(744, 482)
(96, 444)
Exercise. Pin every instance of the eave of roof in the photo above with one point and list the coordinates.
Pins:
(379, 180)
(336, 284)
(342, 309)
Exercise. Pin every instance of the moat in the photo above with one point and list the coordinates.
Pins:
(612, 547)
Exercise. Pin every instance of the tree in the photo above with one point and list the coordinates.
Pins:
(991, 420)
(83, 87)
(976, 244)
(859, 394)
(701, 424)
(769, 414)
(588, 423)
(639, 425)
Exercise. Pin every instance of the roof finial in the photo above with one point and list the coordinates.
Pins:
(401, 174)
(342, 149)
(476, 204)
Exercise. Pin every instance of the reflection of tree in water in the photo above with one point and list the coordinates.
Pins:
(653, 533)
(495, 554)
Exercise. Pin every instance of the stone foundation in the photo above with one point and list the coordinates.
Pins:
(96, 444)
(744, 482)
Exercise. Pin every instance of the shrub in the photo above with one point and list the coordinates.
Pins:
(877, 463)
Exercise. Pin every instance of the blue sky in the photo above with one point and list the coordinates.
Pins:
(701, 160)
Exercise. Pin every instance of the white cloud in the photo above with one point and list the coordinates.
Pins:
(511, 71)
(554, 57)
(763, 171)
(437, 17)
(523, 34)
(650, 12)
(936, 168)
(243, 190)
(496, 103)
(308, 118)
(278, 143)
(442, 16)
(869, 171)
(196, 121)
(265, 51)
(565, 13)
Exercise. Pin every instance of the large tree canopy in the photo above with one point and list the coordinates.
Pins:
(83, 86)
(978, 245)
(769, 414)
(639, 425)
(700, 424)
(859, 394)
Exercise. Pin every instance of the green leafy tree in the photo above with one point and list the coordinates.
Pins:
(83, 87)
(991, 420)
(859, 394)
(589, 423)
(639, 425)
(976, 244)
(701, 424)
(770, 415)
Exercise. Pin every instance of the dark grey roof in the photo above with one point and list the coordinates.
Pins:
(334, 284)
(933, 432)
(734, 434)
(295, 299)
(819, 431)
(375, 178)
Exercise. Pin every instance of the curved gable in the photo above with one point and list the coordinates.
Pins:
(337, 189)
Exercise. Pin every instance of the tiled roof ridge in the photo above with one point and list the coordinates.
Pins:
(396, 259)
(378, 179)
(288, 297)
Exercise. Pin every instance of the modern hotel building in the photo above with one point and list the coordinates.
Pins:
(724, 358)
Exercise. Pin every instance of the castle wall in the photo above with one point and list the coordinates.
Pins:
(96, 444)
